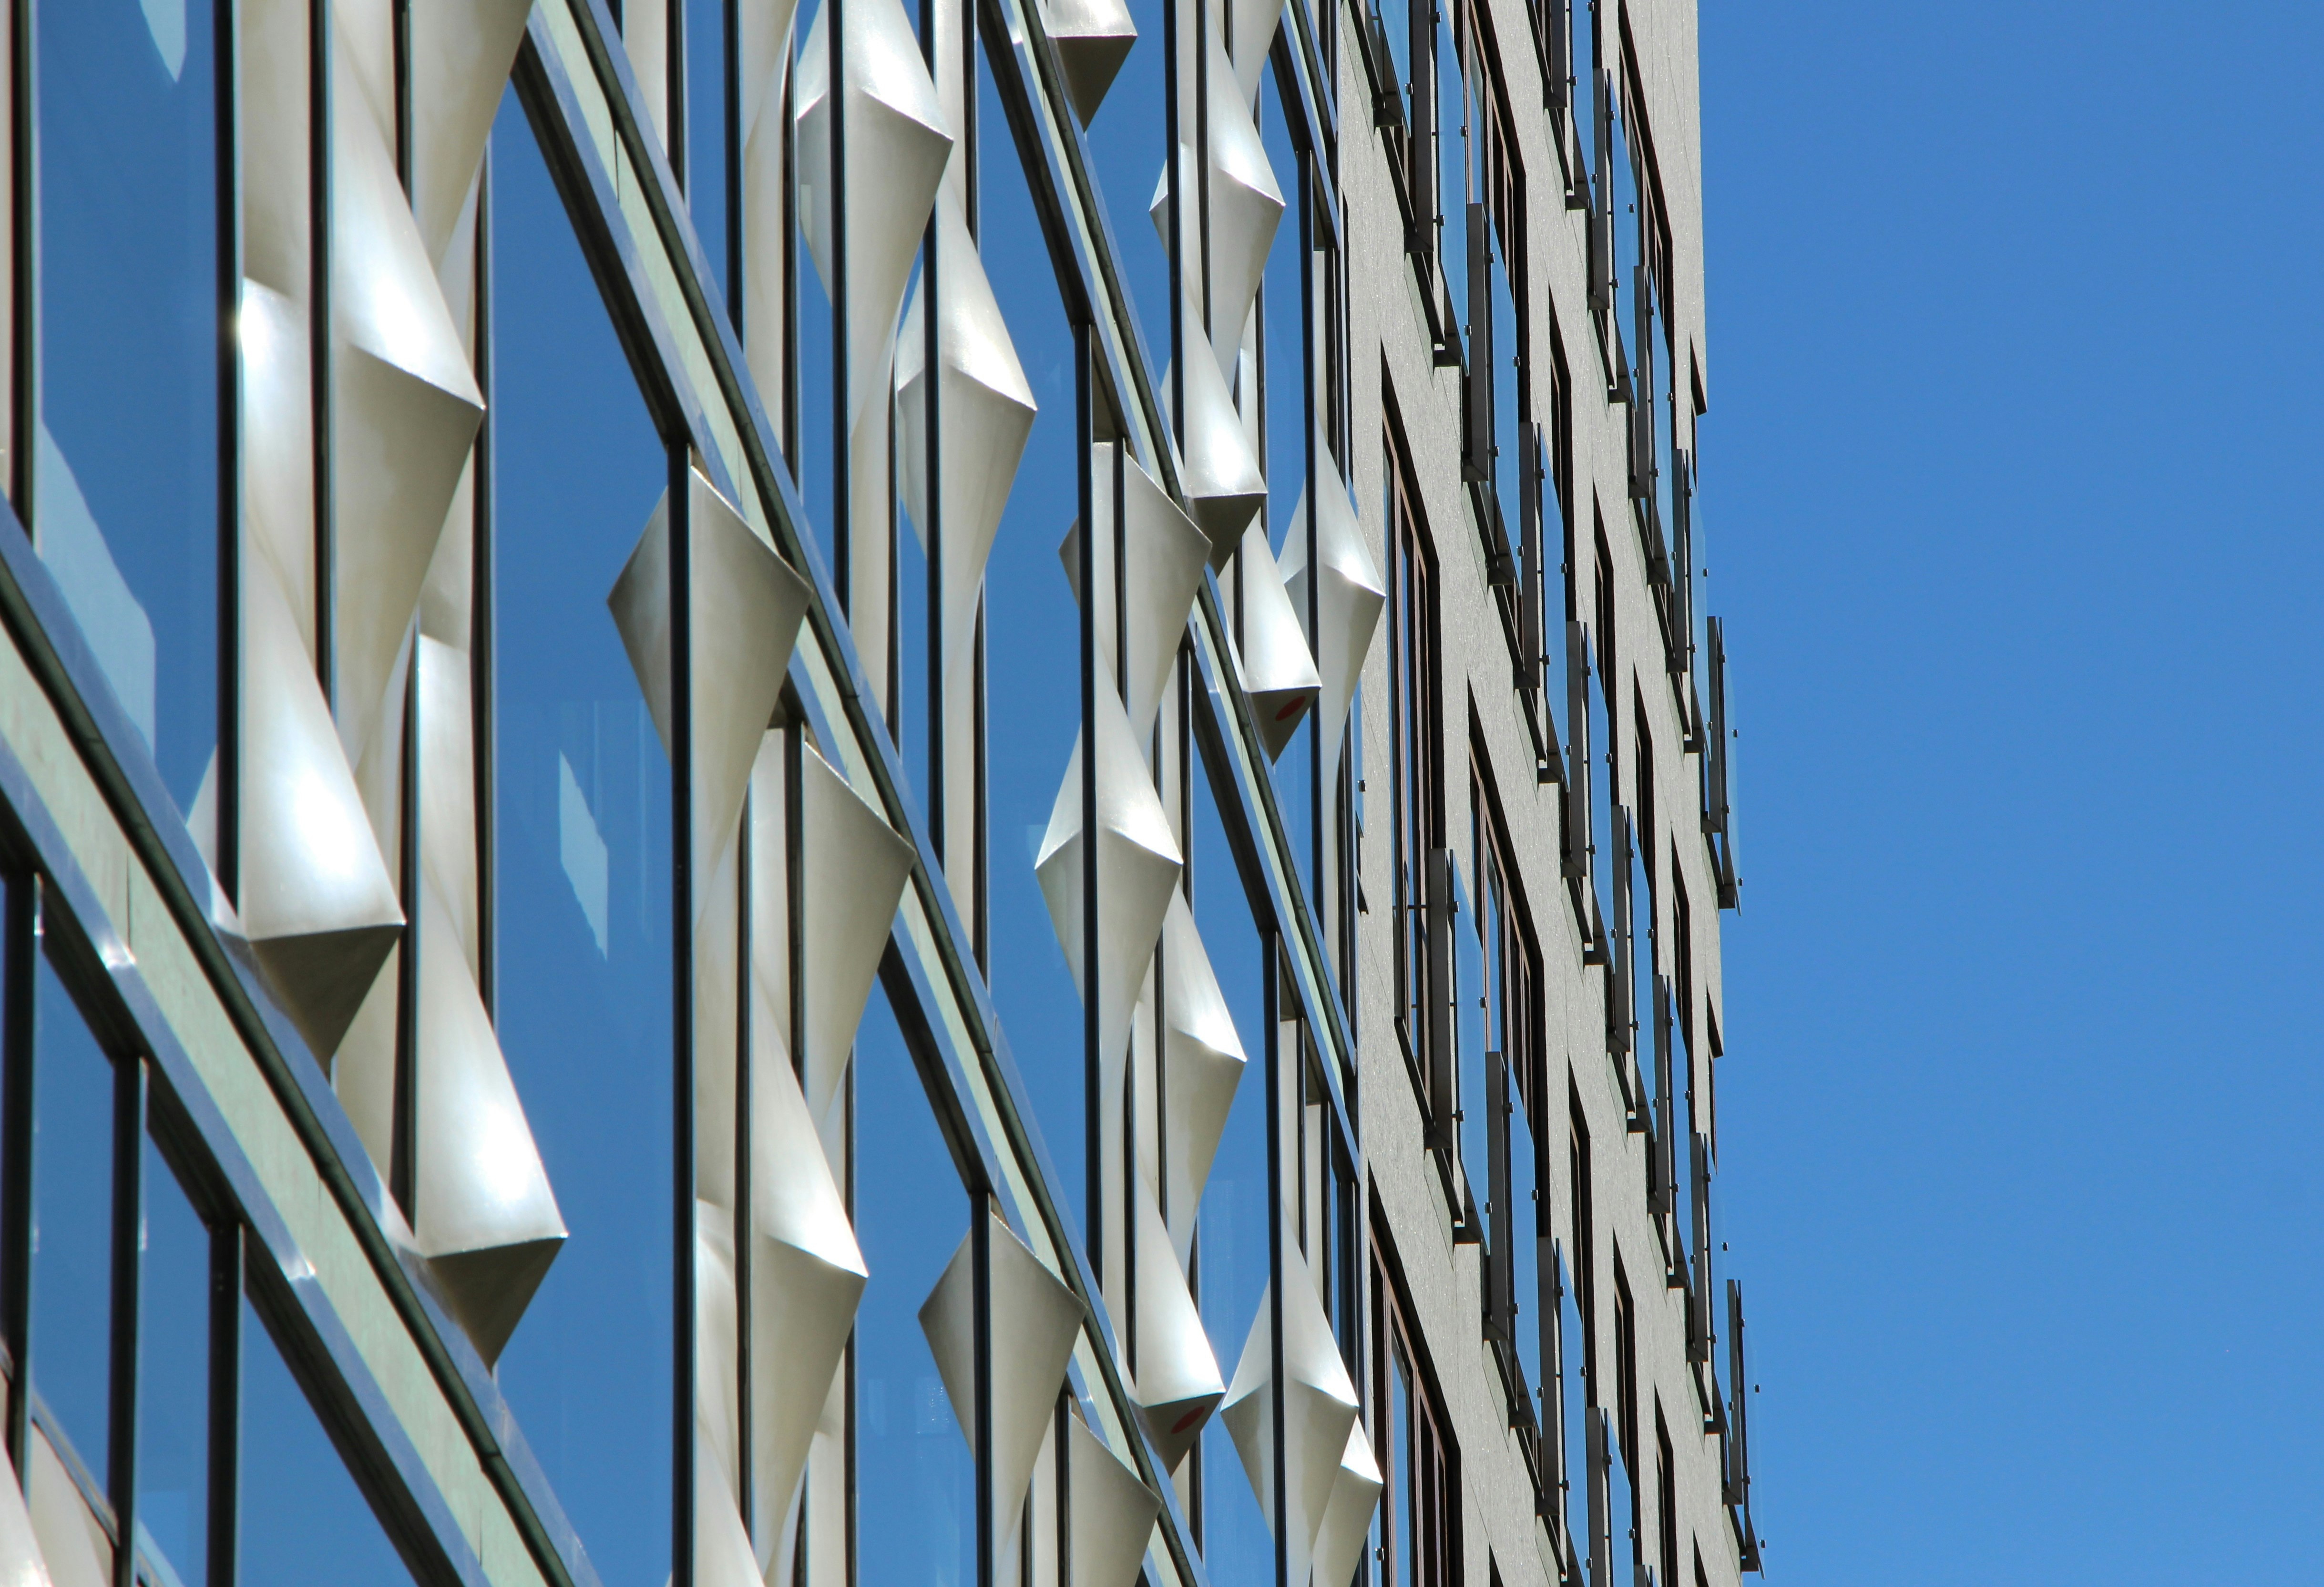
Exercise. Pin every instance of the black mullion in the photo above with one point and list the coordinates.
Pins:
(129, 1092)
(931, 472)
(732, 151)
(794, 889)
(1315, 724)
(319, 335)
(404, 1153)
(1118, 510)
(483, 691)
(842, 476)
(1085, 551)
(980, 1261)
(742, 1186)
(24, 257)
(674, 45)
(847, 1479)
(402, 26)
(227, 140)
(18, 1026)
(1173, 166)
(970, 187)
(225, 1473)
(1271, 993)
(790, 419)
(1061, 1442)
(1202, 188)
(980, 927)
(681, 698)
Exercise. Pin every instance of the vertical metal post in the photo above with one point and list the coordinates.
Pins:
(980, 927)
(483, 692)
(1086, 555)
(1317, 728)
(24, 259)
(1176, 169)
(403, 1166)
(1271, 981)
(129, 1083)
(981, 1259)
(968, 137)
(1202, 174)
(1061, 1442)
(318, 338)
(744, 900)
(794, 889)
(1120, 552)
(674, 33)
(849, 1501)
(791, 380)
(681, 821)
(19, 978)
(842, 477)
(223, 1500)
(226, 139)
(932, 471)
(732, 163)
(400, 26)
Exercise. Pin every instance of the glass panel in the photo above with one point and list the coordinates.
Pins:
(1585, 87)
(1232, 1240)
(173, 1375)
(1527, 1247)
(1454, 184)
(1624, 178)
(1624, 1509)
(1509, 414)
(1404, 1477)
(813, 464)
(1277, 412)
(125, 494)
(304, 1520)
(584, 878)
(1126, 149)
(1665, 415)
(1605, 842)
(1395, 22)
(72, 1229)
(706, 123)
(1472, 998)
(1574, 1391)
(1033, 660)
(916, 1490)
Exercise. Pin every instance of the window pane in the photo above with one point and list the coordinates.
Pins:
(72, 1212)
(916, 1494)
(1573, 1354)
(1529, 1232)
(1624, 1509)
(127, 474)
(1125, 147)
(1033, 659)
(1404, 1479)
(1230, 1250)
(584, 877)
(303, 1519)
(173, 1373)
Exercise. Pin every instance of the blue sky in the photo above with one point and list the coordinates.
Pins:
(2007, 476)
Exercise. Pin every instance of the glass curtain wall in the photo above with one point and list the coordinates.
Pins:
(115, 1275)
(580, 867)
(122, 459)
(507, 657)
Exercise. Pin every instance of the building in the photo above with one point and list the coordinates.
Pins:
(692, 888)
